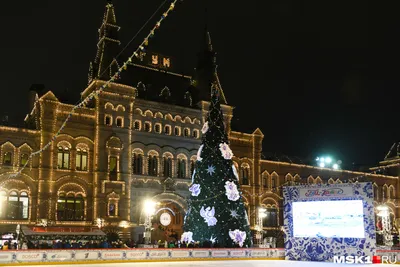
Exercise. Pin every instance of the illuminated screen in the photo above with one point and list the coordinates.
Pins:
(341, 218)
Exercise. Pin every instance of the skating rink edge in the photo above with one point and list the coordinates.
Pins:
(134, 261)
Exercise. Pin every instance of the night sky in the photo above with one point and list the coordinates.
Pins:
(315, 76)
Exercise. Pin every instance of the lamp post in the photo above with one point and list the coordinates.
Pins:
(18, 231)
(149, 209)
(260, 226)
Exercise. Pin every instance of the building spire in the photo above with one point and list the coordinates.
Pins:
(206, 70)
(105, 64)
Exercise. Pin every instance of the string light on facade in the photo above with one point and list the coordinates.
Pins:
(96, 93)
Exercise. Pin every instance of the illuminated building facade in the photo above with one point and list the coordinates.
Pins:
(137, 140)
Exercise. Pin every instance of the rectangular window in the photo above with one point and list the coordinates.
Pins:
(167, 130)
(61, 209)
(79, 209)
(24, 207)
(84, 162)
(66, 161)
(60, 160)
(7, 158)
(113, 164)
(79, 161)
(24, 159)
(12, 207)
(112, 209)
(271, 218)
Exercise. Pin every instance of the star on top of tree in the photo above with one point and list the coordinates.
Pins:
(211, 170)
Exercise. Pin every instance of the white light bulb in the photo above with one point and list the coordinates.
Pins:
(328, 160)
(335, 166)
(322, 164)
(322, 159)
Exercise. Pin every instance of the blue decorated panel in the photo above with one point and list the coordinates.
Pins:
(320, 248)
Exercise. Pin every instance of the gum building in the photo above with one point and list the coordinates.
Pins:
(135, 141)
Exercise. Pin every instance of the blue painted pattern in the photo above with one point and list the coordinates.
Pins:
(322, 248)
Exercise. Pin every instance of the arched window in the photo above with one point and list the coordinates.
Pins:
(153, 165)
(167, 166)
(120, 122)
(24, 159)
(245, 175)
(318, 180)
(63, 157)
(147, 126)
(376, 192)
(273, 182)
(81, 159)
(177, 131)
(265, 179)
(186, 132)
(384, 192)
(181, 168)
(157, 128)
(14, 205)
(192, 166)
(271, 218)
(391, 192)
(137, 125)
(108, 120)
(70, 208)
(141, 89)
(288, 179)
(137, 163)
(167, 129)
(7, 159)
(195, 133)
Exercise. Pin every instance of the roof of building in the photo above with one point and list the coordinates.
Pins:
(394, 152)
(156, 84)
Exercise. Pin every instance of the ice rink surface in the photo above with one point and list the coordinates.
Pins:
(251, 263)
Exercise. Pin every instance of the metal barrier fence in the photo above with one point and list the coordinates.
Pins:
(120, 255)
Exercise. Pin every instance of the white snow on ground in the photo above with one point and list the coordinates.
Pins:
(251, 263)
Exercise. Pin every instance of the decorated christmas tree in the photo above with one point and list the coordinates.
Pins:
(216, 211)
